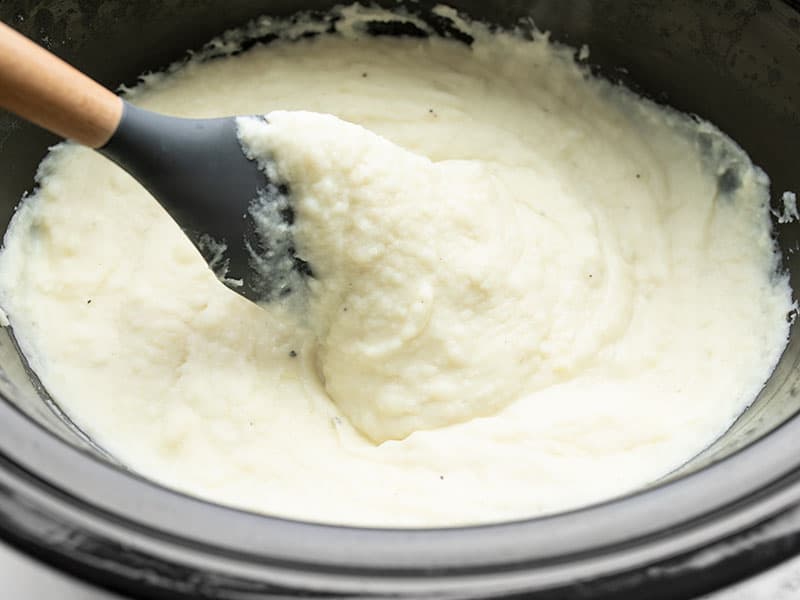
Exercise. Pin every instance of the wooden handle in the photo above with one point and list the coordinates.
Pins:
(42, 88)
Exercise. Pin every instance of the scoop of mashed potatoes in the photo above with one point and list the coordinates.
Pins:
(531, 289)
(437, 284)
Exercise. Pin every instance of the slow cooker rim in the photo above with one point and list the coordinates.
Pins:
(663, 512)
(694, 519)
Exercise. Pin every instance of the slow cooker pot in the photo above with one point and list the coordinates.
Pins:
(730, 512)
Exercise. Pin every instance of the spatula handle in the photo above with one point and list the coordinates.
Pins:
(42, 88)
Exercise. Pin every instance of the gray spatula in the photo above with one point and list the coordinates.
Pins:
(195, 168)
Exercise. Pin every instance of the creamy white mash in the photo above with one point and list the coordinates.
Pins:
(532, 289)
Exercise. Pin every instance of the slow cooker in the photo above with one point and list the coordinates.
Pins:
(732, 511)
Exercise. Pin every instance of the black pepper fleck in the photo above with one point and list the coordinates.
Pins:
(363, 74)
(638, 176)
(441, 477)
(89, 301)
(292, 353)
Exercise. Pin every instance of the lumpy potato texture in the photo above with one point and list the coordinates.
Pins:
(532, 289)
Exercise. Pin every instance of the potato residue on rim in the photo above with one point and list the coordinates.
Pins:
(532, 289)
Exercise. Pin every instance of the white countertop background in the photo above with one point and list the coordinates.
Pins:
(24, 579)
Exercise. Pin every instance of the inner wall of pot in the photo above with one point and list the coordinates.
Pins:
(738, 67)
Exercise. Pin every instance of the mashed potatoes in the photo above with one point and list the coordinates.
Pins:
(532, 290)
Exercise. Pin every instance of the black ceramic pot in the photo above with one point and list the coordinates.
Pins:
(731, 512)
